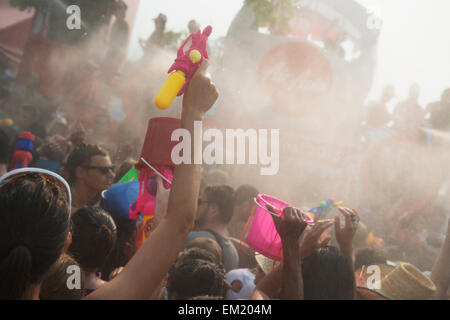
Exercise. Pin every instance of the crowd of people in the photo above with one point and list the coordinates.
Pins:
(409, 116)
(54, 215)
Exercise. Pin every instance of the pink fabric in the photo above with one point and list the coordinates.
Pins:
(145, 203)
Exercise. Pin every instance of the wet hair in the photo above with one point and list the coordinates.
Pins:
(54, 286)
(124, 249)
(5, 146)
(196, 253)
(209, 245)
(34, 225)
(215, 177)
(93, 237)
(82, 156)
(197, 277)
(369, 256)
(222, 195)
(245, 193)
(327, 275)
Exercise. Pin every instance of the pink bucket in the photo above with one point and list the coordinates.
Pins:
(262, 236)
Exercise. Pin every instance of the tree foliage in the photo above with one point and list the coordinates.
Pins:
(273, 14)
(175, 39)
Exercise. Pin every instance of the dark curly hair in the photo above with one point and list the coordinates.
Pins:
(369, 256)
(81, 156)
(93, 237)
(328, 275)
(54, 286)
(196, 253)
(223, 196)
(245, 193)
(196, 273)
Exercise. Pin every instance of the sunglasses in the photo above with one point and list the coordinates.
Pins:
(37, 174)
(103, 170)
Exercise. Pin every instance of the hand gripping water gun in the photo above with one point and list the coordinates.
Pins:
(323, 208)
(22, 156)
(184, 68)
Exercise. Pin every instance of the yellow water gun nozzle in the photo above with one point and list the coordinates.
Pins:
(170, 89)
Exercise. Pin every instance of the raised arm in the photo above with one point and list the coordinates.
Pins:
(161, 203)
(146, 269)
(345, 235)
(290, 226)
(316, 238)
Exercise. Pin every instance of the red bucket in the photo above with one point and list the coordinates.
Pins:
(158, 146)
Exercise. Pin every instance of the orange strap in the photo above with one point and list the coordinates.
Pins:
(359, 277)
(389, 283)
(244, 232)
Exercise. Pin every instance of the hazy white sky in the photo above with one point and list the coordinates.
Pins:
(414, 44)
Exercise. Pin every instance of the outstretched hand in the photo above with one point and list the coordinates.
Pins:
(345, 235)
(291, 224)
(316, 237)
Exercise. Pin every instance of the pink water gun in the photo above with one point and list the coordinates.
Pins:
(184, 67)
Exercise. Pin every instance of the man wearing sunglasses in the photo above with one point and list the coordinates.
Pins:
(89, 171)
(214, 213)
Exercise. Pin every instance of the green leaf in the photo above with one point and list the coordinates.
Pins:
(274, 14)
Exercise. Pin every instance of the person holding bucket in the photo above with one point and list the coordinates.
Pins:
(326, 272)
